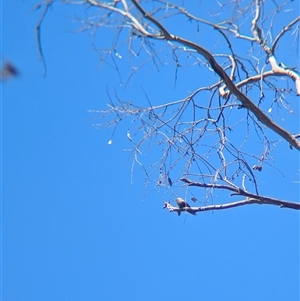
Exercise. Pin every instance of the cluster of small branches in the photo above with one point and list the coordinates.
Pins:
(199, 135)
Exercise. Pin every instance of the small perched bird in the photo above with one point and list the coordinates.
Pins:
(183, 204)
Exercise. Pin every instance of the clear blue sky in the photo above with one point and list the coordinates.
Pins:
(73, 225)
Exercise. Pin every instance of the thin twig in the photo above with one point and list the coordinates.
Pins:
(38, 33)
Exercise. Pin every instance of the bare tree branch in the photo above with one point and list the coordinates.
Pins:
(218, 132)
(238, 191)
(247, 103)
(248, 201)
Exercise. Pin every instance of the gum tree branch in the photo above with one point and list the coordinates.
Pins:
(200, 135)
(248, 201)
(251, 197)
(247, 103)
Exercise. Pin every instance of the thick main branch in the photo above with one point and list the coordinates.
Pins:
(247, 103)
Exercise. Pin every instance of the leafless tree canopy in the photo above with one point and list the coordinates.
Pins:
(220, 136)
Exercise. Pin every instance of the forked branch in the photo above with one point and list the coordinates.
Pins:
(251, 198)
